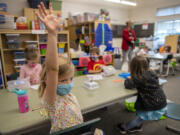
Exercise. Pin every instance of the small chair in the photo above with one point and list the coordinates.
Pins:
(86, 128)
(168, 65)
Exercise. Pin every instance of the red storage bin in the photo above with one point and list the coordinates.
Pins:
(107, 59)
(83, 61)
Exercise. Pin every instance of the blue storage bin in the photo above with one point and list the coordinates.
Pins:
(60, 50)
(2, 19)
(85, 72)
(3, 7)
(13, 44)
(124, 75)
(75, 62)
(0, 80)
(19, 54)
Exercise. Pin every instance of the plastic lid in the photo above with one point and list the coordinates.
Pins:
(20, 92)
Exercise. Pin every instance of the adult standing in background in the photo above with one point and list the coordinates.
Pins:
(129, 37)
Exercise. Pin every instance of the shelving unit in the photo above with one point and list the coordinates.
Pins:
(90, 31)
(25, 35)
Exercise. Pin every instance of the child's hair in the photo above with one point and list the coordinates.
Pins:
(145, 47)
(168, 48)
(95, 50)
(31, 53)
(128, 23)
(138, 66)
(65, 68)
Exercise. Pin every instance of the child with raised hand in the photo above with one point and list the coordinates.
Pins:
(32, 69)
(57, 79)
(151, 100)
(95, 64)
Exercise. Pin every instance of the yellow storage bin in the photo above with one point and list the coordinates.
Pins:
(61, 45)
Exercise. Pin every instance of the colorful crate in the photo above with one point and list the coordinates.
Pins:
(75, 62)
(83, 61)
(61, 45)
(60, 50)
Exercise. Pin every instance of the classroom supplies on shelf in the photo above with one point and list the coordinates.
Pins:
(19, 54)
(43, 48)
(19, 62)
(62, 38)
(6, 22)
(22, 100)
(31, 44)
(43, 38)
(21, 23)
(13, 44)
(12, 41)
(3, 7)
(61, 47)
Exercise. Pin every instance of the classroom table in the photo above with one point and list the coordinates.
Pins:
(159, 58)
(13, 122)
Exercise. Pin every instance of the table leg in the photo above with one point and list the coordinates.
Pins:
(161, 67)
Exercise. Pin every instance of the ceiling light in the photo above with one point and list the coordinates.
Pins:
(125, 2)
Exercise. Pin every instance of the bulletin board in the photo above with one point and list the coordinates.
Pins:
(172, 41)
(117, 30)
(140, 32)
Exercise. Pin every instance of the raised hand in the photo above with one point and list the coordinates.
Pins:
(50, 21)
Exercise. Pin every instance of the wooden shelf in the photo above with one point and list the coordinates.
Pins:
(18, 49)
(57, 42)
(42, 42)
(62, 42)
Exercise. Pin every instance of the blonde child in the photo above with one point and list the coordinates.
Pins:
(143, 51)
(151, 100)
(95, 65)
(32, 69)
(57, 79)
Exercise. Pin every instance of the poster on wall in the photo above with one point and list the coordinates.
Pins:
(145, 26)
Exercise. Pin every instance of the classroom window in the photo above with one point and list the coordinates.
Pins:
(165, 28)
(168, 11)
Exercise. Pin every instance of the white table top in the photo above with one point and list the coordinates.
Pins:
(12, 121)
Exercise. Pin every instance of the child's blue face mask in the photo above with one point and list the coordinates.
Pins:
(64, 89)
(94, 58)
